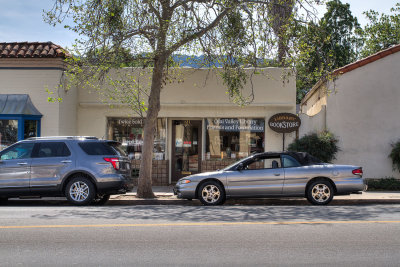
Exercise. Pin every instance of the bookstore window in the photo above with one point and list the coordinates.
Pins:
(129, 132)
(233, 138)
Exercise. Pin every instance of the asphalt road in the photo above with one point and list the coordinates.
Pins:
(53, 235)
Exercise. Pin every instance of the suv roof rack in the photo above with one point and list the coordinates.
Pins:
(63, 137)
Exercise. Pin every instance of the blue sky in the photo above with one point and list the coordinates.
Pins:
(22, 20)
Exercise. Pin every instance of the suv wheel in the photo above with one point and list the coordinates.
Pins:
(80, 191)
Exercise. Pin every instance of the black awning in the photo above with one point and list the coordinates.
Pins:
(17, 104)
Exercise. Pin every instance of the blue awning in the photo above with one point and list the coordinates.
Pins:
(17, 104)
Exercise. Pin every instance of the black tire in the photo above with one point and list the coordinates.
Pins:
(320, 192)
(211, 193)
(80, 191)
(101, 200)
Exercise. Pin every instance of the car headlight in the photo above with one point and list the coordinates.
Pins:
(184, 181)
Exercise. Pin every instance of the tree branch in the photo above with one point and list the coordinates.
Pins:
(199, 33)
(153, 9)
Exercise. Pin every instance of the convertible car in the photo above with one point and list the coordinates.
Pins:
(273, 174)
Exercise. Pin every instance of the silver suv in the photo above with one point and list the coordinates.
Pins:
(83, 169)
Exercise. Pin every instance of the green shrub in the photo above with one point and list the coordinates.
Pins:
(395, 155)
(390, 184)
(322, 146)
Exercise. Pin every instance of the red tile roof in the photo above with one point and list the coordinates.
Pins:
(367, 60)
(353, 66)
(32, 50)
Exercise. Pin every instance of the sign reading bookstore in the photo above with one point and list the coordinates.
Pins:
(284, 123)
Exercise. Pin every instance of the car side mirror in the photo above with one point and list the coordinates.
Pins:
(240, 167)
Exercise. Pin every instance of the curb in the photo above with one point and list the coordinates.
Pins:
(251, 202)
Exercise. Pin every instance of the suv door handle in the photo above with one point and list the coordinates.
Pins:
(22, 163)
(277, 174)
(66, 161)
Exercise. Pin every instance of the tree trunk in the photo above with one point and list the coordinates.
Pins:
(145, 174)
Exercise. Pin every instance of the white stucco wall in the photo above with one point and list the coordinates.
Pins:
(313, 124)
(58, 118)
(364, 113)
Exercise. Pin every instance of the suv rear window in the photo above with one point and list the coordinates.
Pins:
(101, 148)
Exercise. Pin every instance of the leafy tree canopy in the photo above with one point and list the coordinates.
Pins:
(326, 45)
(382, 31)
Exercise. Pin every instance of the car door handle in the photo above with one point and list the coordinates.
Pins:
(22, 163)
(277, 174)
(66, 161)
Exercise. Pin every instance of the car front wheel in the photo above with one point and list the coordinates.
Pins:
(320, 192)
(80, 191)
(211, 193)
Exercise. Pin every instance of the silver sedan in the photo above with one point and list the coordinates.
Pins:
(278, 174)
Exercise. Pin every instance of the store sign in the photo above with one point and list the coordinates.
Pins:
(236, 125)
(138, 122)
(284, 122)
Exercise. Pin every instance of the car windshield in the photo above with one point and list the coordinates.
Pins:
(235, 163)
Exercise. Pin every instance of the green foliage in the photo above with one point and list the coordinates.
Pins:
(233, 75)
(331, 43)
(395, 155)
(322, 146)
(389, 184)
(381, 32)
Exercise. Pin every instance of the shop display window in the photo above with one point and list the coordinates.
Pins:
(233, 138)
(30, 128)
(129, 132)
(8, 133)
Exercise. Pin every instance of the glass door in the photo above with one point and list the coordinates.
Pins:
(186, 148)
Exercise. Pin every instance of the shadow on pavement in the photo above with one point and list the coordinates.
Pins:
(233, 211)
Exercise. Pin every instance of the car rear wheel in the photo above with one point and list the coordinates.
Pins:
(211, 193)
(320, 192)
(80, 191)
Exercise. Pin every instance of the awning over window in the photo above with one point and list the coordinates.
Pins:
(17, 104)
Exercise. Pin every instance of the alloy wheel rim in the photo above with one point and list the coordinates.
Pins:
(321, 193)
(210, 193)
(79, 191)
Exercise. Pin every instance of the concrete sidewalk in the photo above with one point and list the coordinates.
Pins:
(165, 196)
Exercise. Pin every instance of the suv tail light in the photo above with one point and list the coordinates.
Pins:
(114, 162)
(358, 171)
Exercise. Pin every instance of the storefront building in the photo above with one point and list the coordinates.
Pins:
(198, 128)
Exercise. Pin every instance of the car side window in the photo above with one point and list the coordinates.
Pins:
(52, 149)
(264, 163)
(289, 162)
(19, 151)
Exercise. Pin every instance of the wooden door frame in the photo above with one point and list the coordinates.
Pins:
(199, 123)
